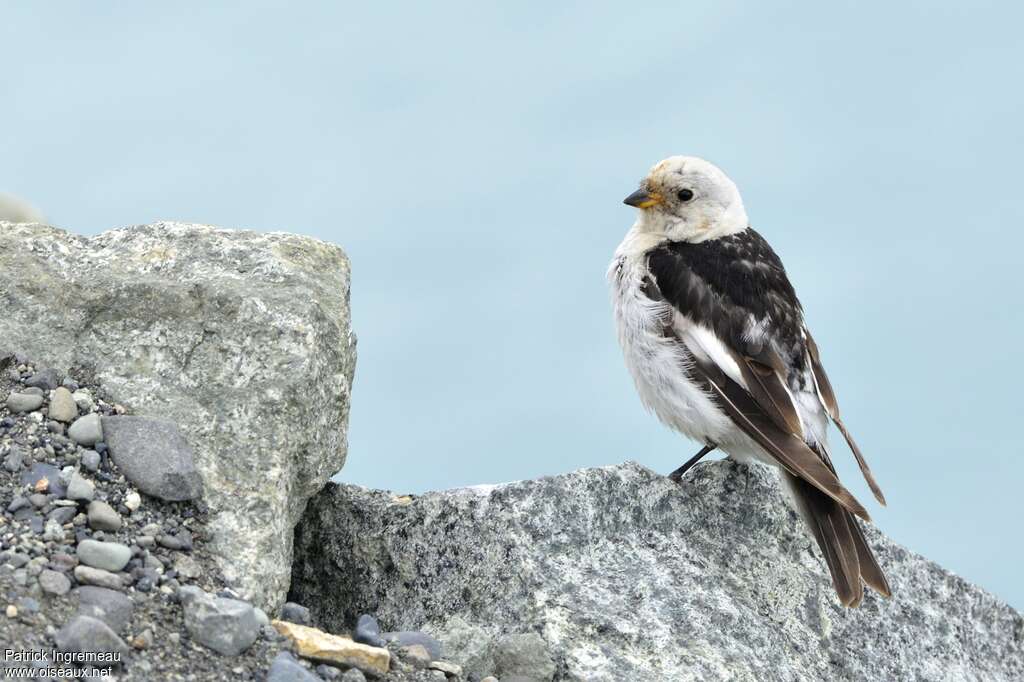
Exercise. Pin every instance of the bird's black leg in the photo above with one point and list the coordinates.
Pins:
(678, 473)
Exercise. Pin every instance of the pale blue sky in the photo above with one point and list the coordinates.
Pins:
(472, 162)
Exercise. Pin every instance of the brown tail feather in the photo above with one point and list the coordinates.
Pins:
(842, 543)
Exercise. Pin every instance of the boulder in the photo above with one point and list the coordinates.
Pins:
(241, 339)
(618, 573)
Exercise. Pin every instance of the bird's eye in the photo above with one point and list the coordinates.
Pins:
(685, 194)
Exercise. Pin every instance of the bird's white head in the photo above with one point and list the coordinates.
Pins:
(687, 199)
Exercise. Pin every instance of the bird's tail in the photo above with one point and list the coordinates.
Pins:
(842, 542)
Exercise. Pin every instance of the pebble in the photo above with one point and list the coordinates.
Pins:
(368, 631)
(228, 626)
(328, 672)
(83, 399)
(45, 379)
(286, 668)
(87, 575)
(40, 472)
(109, 556)
(80, 488)
(24, 402)
(449, 669)
(416, 655)
(90, 460)
(62, 561)
(295, 613)
(83, 633)
(87, 430)
(132, 501)
(12, 611)
(112, 607)
(102, 516)
(19, 502)
(154, 455)
(187, 567)
(335, 649)
(54, 582)
(62, 406)
(14, 460)
(356, 675)
(62, 515)
(409, 637)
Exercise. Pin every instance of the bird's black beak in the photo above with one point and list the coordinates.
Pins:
(643, 199)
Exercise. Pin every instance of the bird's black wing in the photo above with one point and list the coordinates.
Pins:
(737, 289)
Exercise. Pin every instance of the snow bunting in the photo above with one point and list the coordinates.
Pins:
(715, 339)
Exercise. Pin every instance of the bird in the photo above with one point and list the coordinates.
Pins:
(714, 337)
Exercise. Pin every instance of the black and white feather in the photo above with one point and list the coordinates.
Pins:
(714, 337)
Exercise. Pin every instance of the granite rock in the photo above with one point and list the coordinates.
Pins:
(242, 339)
(622, 574)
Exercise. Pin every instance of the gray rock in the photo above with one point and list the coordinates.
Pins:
(228, 626)
(45, 379)
(54, 582)
(15, 460)
(295, 613)
(353, 675)
(62, 515)
(24, 402)
(154, 455)
(630, 576)
(80, 489)
(87, 575)
(368, 631)
(524, 655)
(102, 516)
(87, 430)
(328, 672)
(90, 460)
(112, 607)
(62, 406)
(38, 471)
(286, 668)
(235, 336)
(85, 634)
(108, 556)
(406, 638)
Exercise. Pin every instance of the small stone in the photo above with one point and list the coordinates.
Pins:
(39, 500)
(410, 637)
(112, 607)
(12, 611)
(490, 678)
(143, 640)
(356, 675)
(102, 516)
(187, 567)
(82, 634)
(83, 399)
(53, 531)
(132, 501)
(335, 649)
(108, 556)
(54, 583)
(62, 515)
(62, 406)
(368, 631)
(14, 460)
(261, 617)
(523, 655)
(295, 613)
(80, 488)
(154, 455)
(329, 672)
(87, 575)
(449, 669)
(415, 655)
(62, 561)
(45, 379)
(145, 541)
(91, 460)
(228, 626)
(87, 430)
(19, 502)
(286, 668)
(24, 402)
(69, 384)
(14, 559)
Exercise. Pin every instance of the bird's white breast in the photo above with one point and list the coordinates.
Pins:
(658, 363)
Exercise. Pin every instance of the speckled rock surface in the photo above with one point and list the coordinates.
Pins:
(626, 575)
(242, 339)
